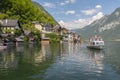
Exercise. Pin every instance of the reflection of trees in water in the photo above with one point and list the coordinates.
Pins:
(7, 59)
(19, 63)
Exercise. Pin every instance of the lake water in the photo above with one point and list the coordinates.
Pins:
(60, 62)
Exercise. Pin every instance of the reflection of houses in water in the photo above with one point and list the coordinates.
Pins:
(69, 48)
(20, 48)
(43, 53)
(73, 48)
(65, 48)
(8, 60)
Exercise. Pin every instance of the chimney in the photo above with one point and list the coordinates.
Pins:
(6, 20)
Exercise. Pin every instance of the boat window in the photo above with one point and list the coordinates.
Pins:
(97, 43)
(102, 43)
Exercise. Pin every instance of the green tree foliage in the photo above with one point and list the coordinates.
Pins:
(3, 16)
(17, 32)
(5, 5)
(26, 39)
(25, 11)
(37, 35)
(0, 29)
(53, 37)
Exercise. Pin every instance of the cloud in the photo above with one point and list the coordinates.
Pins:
(80, 23)
(62, 22)
(65, 2)
(73, 24)
(88, 21)
(92, 11)
(89, 12)
(72, 1)
(49, 5)
(34, 0)
(98, 16)
(62, 4)
(69, 25)
(98, 6)
(70, 12)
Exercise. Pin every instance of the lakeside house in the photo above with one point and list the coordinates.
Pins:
(65, 30)
(37, 25)
(58, 30)
(9, 26)
(68, 37)
(8, 29)
(47, 29)
(44, 29)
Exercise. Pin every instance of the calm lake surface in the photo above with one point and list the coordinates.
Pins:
(60, 62)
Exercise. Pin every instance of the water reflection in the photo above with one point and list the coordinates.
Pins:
(113, 55)
(41, 55)
(98, 57)
(19, 63)
(56, 61)
(7, 60)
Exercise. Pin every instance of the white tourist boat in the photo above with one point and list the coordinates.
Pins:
(96, 42)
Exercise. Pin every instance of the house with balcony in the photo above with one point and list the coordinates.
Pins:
(46, 29)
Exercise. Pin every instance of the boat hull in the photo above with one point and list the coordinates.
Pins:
(96, 47)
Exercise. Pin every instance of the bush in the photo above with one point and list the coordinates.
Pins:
(26, 39)
(17, 32)
(53, 37)
(36, 34)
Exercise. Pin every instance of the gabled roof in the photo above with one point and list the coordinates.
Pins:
(8, 22)
(48, 26)
(65, 29)
(57, 27)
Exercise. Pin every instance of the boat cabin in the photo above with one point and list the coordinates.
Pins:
(96, 40)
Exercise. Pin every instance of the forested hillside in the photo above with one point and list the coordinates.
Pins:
(25, 11)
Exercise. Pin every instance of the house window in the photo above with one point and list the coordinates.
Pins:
(12, 28)
(8, 27)
(5, 28)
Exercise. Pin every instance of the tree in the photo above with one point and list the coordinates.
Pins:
(17, 32)
(53, 37)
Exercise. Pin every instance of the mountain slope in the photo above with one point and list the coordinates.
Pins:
(108, 27)
(43, 10)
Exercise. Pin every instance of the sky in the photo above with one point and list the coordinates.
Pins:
(74, 14)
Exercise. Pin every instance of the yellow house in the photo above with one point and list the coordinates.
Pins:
(37, 25)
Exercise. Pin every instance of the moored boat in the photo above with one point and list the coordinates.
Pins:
(96, 42)
(2, 47)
